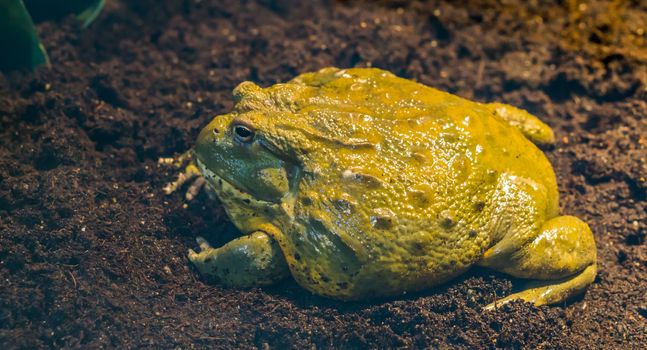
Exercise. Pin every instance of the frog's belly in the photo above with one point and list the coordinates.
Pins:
(421, 266)
(403, 268)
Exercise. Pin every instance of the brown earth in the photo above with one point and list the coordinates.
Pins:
(92, 254)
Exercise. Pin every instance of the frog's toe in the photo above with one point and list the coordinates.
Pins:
(189, 173)
(193, 256)
(195, 188)
(178, 161)
(550, 292)
(204, 245)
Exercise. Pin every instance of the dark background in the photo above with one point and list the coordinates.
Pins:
(92, 254)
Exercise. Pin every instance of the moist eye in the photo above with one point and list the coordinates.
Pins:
(243, 133)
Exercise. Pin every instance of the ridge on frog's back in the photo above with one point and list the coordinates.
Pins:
(362, 184)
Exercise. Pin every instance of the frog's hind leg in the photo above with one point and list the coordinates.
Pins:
(562, 256)
(530, 126)
(249, 261)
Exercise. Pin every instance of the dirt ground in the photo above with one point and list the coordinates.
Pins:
(93, 255)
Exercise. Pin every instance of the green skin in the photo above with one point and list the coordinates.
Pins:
(361, 184)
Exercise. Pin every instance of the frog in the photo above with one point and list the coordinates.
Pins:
(361, 185)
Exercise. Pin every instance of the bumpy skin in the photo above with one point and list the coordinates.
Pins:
(373, 185)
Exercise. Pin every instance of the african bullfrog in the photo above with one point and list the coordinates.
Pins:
(361, 184)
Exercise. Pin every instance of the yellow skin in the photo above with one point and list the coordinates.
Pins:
(362, 184)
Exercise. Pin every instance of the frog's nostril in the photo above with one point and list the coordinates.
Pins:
(215, 131)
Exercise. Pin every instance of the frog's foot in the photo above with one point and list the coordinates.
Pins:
(550, 292)
(561, 256)
(530, 126)
(249, 261)
(190, 173)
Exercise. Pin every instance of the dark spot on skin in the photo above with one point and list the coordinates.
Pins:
(344, 268)
(381, 222)
(220, 182)
(365, 179)
(472, 233)
(383, 218)
(420, 198)
(247, 201)
(478, 206)
(297, 256)
(306, 201)
(418, 248)
(208, 260)
(447, 223)
(447, 220)
(342, 285)
(324, 278)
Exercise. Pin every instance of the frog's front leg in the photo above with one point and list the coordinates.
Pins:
(190, 173)
(249, 261)
(561, 256)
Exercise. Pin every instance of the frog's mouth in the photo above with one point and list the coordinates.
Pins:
(226, 190)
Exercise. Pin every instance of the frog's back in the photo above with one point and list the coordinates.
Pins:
(417, 166)
(416, 125)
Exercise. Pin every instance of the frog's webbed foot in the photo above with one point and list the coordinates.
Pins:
(530, 126)
(550, 292)
(561, 256)
(191, 173)
(249, 261)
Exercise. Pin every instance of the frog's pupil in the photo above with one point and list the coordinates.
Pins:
(243, 133)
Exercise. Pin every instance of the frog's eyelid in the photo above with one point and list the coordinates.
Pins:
(239, 122)
(245, 127)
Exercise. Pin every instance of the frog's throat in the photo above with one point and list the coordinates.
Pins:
(226, 191)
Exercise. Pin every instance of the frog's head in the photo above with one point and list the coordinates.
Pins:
(244, 147)
(276, 135)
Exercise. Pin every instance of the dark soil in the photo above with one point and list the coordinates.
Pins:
(92, 254)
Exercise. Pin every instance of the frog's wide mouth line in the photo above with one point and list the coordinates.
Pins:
(224, 187)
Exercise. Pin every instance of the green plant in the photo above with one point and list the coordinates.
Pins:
(19, 43)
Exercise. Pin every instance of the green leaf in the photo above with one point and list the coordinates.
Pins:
(91, 12)
(85, 10)
(19, 43)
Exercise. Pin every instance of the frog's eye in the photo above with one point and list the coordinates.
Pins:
(243, 133)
